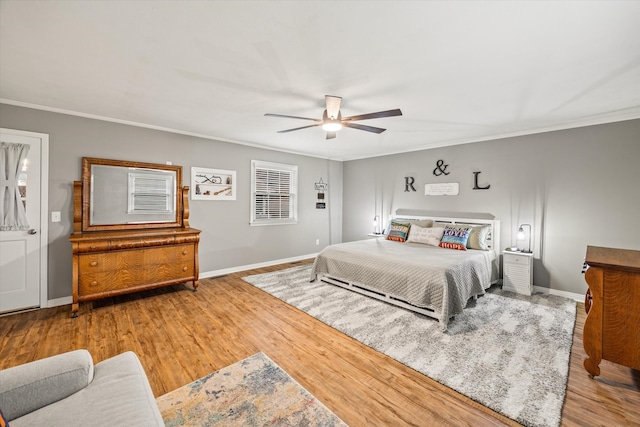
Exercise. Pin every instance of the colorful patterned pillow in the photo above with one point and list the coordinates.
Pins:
(3, 420)
(426, 236)
(398, 231)
(455, 237)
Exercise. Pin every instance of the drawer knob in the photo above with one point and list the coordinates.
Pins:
(184, 252)
(93, 263)
(93, 246)
(94, 283)
(184, 268)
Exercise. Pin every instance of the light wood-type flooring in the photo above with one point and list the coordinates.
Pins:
(181, 335)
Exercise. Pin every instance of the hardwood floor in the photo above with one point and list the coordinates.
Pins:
(180, 336)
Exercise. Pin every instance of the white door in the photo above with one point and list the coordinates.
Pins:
(23, 275)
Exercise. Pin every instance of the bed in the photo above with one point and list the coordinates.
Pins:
(431, 280)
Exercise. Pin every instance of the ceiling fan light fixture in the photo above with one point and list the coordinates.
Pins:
(332, 120)
(332, 126)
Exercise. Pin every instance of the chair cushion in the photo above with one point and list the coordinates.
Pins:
(119, 395)
(26, 388)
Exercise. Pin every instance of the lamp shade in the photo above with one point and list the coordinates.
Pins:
(521, 236)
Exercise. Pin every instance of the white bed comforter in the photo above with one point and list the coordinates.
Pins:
(426, 276)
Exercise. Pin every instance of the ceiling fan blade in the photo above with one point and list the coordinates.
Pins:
(291, 117)
(363, 127)
(331, 135)
(303, 127)
(333, 106)
(379, 114)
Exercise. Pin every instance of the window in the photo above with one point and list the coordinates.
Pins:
(274, 188)
(150, 193)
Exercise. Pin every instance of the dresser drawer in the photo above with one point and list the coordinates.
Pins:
(95, 246)
(517, 259)
(107, 281)
(169, 255)
(114, 280)
(108, 261)
(169, 272)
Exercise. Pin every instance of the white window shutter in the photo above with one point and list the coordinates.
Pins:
(274, 188)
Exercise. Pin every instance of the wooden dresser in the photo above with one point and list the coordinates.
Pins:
(612, 327)
(110, 260)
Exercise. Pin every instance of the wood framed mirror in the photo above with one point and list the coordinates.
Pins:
(124, 195)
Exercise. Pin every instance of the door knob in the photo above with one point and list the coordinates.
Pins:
(32, 231)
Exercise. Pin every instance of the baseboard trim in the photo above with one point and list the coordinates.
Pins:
(216, 273)
(59, 301)
(222, 272)
(570, 295)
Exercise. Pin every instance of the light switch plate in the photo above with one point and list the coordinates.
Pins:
(55, 216)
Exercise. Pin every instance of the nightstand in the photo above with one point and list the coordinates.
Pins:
(517, 270)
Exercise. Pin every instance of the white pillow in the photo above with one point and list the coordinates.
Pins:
(478, 237)
(427, 236)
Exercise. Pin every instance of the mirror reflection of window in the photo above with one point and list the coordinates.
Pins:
(127, 195)
(150, 193)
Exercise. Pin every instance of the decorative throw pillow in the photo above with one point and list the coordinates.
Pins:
(398, 231)
(410, 222)
(424, 223)
(478, 237)
(3, 420)
(427, 236)
(455, 237)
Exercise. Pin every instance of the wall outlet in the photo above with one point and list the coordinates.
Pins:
(55, 217)
(317, 241)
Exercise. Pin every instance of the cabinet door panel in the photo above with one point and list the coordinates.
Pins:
(621, 317)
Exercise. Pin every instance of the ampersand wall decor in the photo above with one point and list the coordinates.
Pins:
(441, 168)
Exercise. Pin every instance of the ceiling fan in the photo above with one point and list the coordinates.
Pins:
(332, 120)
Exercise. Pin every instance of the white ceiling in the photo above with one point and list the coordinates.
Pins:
(460, 71)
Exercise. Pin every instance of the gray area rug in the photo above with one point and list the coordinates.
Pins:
(508, 352)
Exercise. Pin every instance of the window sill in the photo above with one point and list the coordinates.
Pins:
(272, 222)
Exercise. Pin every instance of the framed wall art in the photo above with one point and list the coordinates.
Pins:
(213, 184)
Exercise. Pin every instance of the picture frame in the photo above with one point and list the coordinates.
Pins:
(213, 184)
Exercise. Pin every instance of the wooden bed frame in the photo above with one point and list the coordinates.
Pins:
(493, 241)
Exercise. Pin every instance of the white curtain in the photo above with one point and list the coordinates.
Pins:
(12, 213)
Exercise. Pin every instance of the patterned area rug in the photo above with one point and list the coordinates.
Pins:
(252, 392)
(508, 352)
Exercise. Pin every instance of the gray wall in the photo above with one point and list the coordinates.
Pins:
(577, 187)
(227, 240)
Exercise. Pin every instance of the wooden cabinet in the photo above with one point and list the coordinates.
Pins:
(117, 262)
(612, 327)
(517, 270)
(129, 255)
